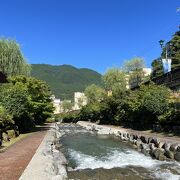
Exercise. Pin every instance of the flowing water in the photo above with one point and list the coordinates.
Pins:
(101, 157)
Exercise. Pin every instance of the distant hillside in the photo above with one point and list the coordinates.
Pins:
(64, 80)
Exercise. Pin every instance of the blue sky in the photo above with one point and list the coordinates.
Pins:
(96, 34)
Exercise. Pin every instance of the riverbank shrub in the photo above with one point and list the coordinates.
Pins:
(15, 101)
(138, 109)
(39, 100)
(6, 120)
(27, 100)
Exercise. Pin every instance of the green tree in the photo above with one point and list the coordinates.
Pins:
(173, 53)
(16, 102)
(66, 105)
(94, 93)
(114, 78)
(41, 106)
(147, 104)
(12, 61)
(155, 99)
(157, 68)
(134, 68)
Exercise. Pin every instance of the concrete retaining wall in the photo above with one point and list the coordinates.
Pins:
(48, 163)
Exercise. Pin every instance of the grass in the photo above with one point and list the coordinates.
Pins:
(12, 141)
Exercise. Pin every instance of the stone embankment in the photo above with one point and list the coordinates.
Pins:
(48, 163)
(159, 148)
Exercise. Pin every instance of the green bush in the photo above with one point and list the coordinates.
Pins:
(27, 100)
(70, 117)
(50, 120)
(6, 121)
(140, 108)
(40, 103)
(11, 133)
(16, 102)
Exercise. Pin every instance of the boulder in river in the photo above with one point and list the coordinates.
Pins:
(158, 153)
(173, 147)
(177, 156)
(166, 146)
(169, 154)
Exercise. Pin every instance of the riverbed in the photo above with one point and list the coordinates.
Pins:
(93, 156)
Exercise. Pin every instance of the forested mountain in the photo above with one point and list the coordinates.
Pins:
(64, 80)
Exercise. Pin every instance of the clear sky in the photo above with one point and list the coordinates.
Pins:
(96, 34)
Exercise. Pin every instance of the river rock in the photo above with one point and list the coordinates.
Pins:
(143, 139)
(173, 147)
(178, 149)
(134, 141)
(125, 135)
(155, 141)
(146, 151)
(177, 156)
(145, 146)
(152, 146)
(134, 146)
(160, 144)
(166, 146)
(158, 153)
(132, 135)
(58, 146)
(131, 139)
(139, 144)
(119, 133)
(150, 139)
(169, 154)
(135, 136)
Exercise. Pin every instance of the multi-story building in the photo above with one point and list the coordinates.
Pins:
(79, 100)
(56, 104)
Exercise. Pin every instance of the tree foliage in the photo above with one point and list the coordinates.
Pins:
(94, 93)
(67, 105)
(114, 77)
(173, 53)
(6, 120)
(39, 95)
(12, 61)
(134, 68)
(27, 100)
(138, 109)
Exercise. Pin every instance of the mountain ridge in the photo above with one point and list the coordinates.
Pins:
(65, 79)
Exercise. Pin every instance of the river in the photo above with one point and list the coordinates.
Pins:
(101, 157)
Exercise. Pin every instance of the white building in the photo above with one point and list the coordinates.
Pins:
(56, 104)
(79, 100)
(147, 71)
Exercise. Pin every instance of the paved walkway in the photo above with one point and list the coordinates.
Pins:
(15, 159)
